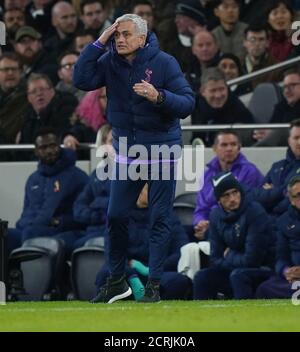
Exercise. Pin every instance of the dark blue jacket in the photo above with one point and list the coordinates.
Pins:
(246, 231)
(139, 232)
(51, 191)
(288, 240)
(279, 175)
(131, 115)
(90, 208)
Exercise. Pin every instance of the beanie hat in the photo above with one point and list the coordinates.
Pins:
(192, 9)
(224, 181)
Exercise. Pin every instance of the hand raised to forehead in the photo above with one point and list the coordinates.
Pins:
(105, 36)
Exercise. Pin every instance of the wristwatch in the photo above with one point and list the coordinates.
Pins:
(160, 98)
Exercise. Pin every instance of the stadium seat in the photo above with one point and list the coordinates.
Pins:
(264, 98)
(36, 268)
(185, 212)
(189, 198)
(86, 262)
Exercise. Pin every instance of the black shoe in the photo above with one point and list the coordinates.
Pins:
(112, 291)
(151, 293)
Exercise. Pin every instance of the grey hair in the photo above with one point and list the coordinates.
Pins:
(292, 182)
(212, 74)
(140, 24)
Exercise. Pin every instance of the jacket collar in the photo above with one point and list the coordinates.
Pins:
(67, 159)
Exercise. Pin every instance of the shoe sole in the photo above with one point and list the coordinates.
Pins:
(122, 296)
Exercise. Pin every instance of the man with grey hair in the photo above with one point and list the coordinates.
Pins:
(217, 105)
(147, 95)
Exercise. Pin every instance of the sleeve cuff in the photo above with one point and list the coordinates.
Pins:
(98, 45)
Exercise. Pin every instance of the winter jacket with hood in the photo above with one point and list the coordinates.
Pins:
(51, 191)
(129, 114)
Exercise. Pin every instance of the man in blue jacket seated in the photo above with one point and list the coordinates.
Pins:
(288, 250)
(241, 244)
(50, 192)
(282, 171)
(147, 95)
(173, 285)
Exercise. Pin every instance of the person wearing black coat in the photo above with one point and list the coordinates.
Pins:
(48, 108)
(216, 105)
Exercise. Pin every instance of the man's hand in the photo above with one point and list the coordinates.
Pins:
(71, 142)
(292, 274)
(226, 252)
(268, 186)
(54, 222)
(146, 90)
(200, 229)
(104, 37)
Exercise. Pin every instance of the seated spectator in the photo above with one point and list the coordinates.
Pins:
(230, 32)
(285, 111)
(227, 147)
(288, 244)
(88, 118)
(172, 284)
(65, 23)
(257, 56)
(13, 20)
(66, 64)
(50, 192)
(90, 207)
(28, 46)
(230, 65)
(206, 54)
(47, 108)
(279, 16)
(82, 39)
(13, 101)
(282, 171)
(175, 36)
(241, 241)
(94, 16)
(216, 105)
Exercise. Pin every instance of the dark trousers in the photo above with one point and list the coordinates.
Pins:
(238, 283)
(275, 287)
(123, 197)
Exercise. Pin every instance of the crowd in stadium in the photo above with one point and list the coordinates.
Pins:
(244, 240)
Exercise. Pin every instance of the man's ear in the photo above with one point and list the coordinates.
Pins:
(142, 41)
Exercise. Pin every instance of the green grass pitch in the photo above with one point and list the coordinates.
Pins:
(166, 316)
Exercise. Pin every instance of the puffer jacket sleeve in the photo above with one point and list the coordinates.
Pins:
(179, 98)
(89, 71)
